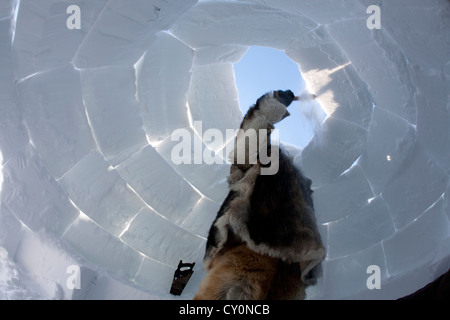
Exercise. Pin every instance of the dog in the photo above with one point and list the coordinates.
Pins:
(264, 242)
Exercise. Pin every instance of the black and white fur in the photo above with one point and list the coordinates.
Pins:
(266, 219)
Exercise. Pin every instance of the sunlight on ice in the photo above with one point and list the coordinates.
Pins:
(1, 172)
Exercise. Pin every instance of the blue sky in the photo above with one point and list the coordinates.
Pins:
(265, 69)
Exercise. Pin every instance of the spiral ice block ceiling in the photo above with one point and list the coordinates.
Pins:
(92, 92)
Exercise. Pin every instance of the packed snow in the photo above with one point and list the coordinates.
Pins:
(92, 205)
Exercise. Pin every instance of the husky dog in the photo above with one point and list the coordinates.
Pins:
(264, 242)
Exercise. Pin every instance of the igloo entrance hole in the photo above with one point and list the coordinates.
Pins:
(263, 69)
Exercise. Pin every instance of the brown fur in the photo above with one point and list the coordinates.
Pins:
(239, 273)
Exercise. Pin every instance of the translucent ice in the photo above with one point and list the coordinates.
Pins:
(113, 112)
(213, 85)
(87, 117)
(108, 251)
(151, 274)
(346, 196)
(433, 117)
(201, 217)
(159, 185)
(55, 119)
(42, 40)
(329, 12)
(213, 23)
(148, 234)
(385, 73)
(416, 187)
(389, 144)
(426, 233)
(347, 275)
(368, 226)
(209, 179)
(329, 74)
(219, 54)
(163, 75)
(28, 184)
(101, 193)
(122, 32)
(340, 145)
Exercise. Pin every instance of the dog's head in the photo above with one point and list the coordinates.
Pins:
(285, 97)
(273, 105)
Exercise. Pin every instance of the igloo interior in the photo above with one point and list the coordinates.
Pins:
(85, 139)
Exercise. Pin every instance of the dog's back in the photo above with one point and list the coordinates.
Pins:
(238, 273)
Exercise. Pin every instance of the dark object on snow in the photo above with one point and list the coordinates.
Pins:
(181, 277)
(439, 289)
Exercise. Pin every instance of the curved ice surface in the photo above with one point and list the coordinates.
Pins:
(85, 137)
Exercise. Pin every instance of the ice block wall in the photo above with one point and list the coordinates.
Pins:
(90, 192)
